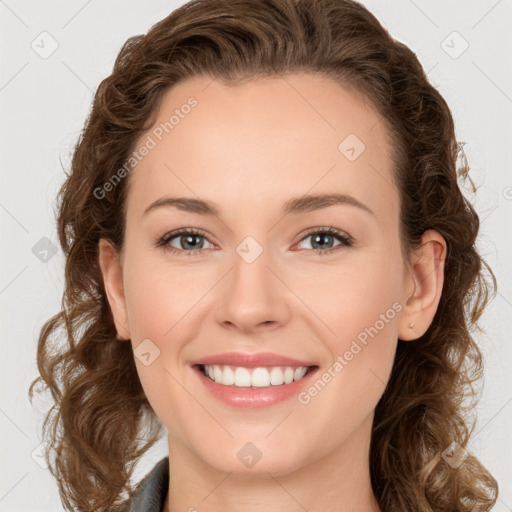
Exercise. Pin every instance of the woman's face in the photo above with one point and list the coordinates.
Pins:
(254, 279)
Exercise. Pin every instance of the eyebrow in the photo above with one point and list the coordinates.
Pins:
(295, 205)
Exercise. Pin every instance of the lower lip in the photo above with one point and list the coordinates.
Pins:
(254, 398)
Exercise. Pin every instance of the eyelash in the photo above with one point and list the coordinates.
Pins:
(346, 241)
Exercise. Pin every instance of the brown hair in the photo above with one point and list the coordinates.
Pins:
(100, 407)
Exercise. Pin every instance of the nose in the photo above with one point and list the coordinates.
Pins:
(253, 296)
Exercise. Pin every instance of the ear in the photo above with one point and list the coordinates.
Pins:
(423, 286)
(112, 272)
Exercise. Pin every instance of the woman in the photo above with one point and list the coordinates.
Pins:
(230, 143)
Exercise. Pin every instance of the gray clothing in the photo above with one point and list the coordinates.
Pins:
(150, 493)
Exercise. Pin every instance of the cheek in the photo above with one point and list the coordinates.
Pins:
(359, 311)
(159, 302)
(358, 308)
(352, 295)
(158, 295)
(162, 300)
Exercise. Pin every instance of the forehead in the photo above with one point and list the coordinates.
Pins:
(264, 140)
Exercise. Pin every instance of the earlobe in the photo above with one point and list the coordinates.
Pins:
(423, 287)
(112, 273)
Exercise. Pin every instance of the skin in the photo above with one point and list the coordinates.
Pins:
(249, 148)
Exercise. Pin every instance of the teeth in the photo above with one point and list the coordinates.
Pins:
(255, 377)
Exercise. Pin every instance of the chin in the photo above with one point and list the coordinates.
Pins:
(256, 459)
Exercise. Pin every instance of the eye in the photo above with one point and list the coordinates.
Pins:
(186, 238)
(321, 237)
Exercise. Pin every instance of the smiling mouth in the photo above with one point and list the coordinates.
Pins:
(258, 377)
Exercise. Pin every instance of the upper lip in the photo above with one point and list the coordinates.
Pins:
(251, 360)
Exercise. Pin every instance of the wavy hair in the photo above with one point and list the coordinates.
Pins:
(101, 422)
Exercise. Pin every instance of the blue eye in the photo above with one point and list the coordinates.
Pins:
(188, 239)
(326, 235)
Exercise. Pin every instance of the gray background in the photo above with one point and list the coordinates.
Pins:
(44, 100)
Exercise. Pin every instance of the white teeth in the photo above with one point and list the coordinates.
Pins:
(276, 376)
(255, 377)
(288, 375)
(217, 373)
(299, 373)
(228, 376)
(260, 378)
(242, 377)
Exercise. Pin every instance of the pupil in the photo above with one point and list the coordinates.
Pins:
(320, 236)
(191, 237)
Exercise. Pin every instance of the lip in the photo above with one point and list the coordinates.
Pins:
(263, 359)
(253, 398)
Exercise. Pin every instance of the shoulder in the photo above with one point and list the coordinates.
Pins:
(150, 493)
